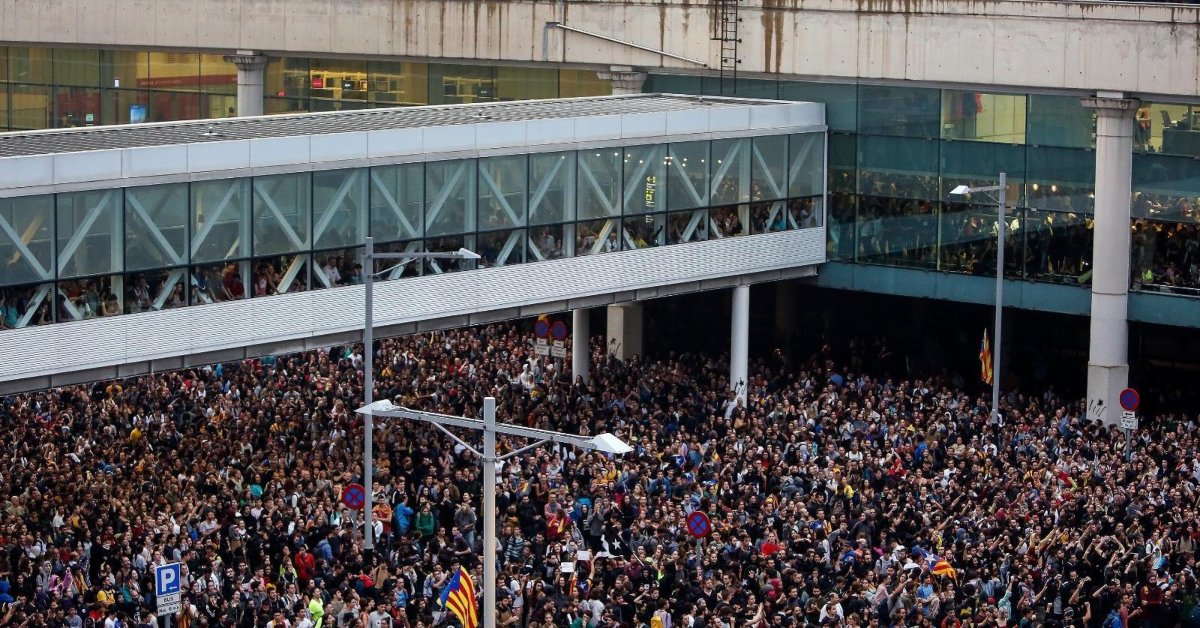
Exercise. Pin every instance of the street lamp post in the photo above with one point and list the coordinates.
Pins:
(605, 443)
(369, 366)
(1001, 227)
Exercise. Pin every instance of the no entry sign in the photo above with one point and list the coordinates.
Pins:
(354, 496)
(698, 525)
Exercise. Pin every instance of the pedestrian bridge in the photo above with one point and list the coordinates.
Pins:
(132, 249)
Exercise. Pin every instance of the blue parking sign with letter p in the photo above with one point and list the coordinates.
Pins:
(166, 579)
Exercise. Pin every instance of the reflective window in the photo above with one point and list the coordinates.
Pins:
(77, 67)
(501, 248)
(282, 213)
(26, 240)
(158, 289)
(907, 111)
(397, 83)
(552, 188)
(984, 117)
(1166, 188)
(23, 306)
(397, 202)
(338, 267)
(526, 83)
(769, 167)
(687, 175)
(597, 236)
(979, 164)
(156, 222)
(599, 183)
(897, 231)
(1061, 179)
(1059, 246)
(843, 160)
(502, 191)
(1168, 128)
(220, 224)
(88, 226)
(449, 243)
(645, 178)
(580, 83)
(461, 84)
(551, 242)
(337, 84)
(30, 65)
(968, 240)
(339, 200)
(687, 226)
(730, 168)
(1165, 257)
(841, 101)
(280, 274)
(1060, 121)
(898, 167)
(88, 298)
(806, 165)
(449, 197)
(840, 236)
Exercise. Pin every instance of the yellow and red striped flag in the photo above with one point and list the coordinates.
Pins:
(985, 360)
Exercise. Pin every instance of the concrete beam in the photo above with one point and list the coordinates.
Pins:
(1140, 49)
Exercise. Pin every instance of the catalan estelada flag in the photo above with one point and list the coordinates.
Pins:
(985, 360)
(459, 598)
(937, 565)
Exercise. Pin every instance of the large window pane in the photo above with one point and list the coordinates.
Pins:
(281, 274)
(1166, 188)
(552, 188)
(769, 169)
(687, 175)
(461, 84)
(984, 117)
(1165, 257)
(599, 183)
(397, 83)
(154, 290)
(502, 191)
(218, 76)
(645, 172)
(806, 165)
(156, 221)
(1060, 121)
(397, 202)
(841, 101)
(287, 82)
(840, 237)
(580, 83)
(22, 306)
(730, 168)
(30, 65)
(524, 83)
(77, 67)
(339, 267)
(908, 111)
(26, 246)
(979, 164)
(551, 242)
(282, 211)
(843, 163)
(1059, 246)
(31, 108)
(339, 208)
(450, 197)
(597, 236)
(89, 233)
(220, 220)
(897, 167)
(1061, 179)
(643, 232)
(337, 84)
(179, 71)
(501, 248)
(968, 240)
(898, 232)
(445, 244)
(1168, 128)
(673, 84)
(76, 106)
(687, 226)
(91, 297)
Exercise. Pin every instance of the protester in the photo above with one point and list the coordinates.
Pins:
(835, 498)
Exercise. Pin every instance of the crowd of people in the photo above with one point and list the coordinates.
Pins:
(836, 498)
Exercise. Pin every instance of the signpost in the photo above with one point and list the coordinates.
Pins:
(1130, 401)
(166, 590)
(541, 346)
(558, 349)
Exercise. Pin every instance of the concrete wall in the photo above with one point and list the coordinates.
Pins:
(1144, 49)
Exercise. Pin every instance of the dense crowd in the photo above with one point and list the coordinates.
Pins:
(834, 498)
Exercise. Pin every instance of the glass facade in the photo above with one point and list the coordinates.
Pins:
(80, 255)
(57, 87)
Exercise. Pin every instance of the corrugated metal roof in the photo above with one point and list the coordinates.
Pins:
(28, 143)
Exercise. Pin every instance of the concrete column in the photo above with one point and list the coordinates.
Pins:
(625, 330)
(1108, 361)
(625, 80)
(739, 341)
(250, 67)
(581, 346)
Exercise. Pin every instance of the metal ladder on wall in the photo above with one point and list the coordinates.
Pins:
(727, 34)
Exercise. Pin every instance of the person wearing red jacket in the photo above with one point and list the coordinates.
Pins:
(306, 566)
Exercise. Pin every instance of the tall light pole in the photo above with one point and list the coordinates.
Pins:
(605, 443)
(1001, 227)
(369, 368)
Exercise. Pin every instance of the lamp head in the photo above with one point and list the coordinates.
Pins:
(609, 444)
(465, 254)
(961, 190)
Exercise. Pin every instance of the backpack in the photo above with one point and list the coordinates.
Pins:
(1112, 621)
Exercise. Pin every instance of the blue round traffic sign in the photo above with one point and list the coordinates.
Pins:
(1130, 400)
(354, 496)
(698, 525)
(541, 329)
(559, 330)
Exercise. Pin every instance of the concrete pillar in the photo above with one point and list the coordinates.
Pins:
(625, 80)
(581, 346)
(250, 67)
(1108, 355)
(625, 330)
(739, 341)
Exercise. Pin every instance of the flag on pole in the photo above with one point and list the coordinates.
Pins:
(459, 598)
(985, 360)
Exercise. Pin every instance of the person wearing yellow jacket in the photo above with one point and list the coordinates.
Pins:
(316, 608)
